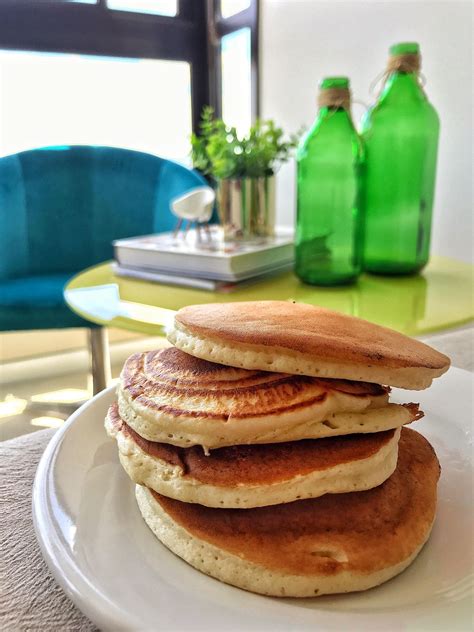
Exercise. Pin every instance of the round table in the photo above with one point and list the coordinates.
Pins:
(438, 298)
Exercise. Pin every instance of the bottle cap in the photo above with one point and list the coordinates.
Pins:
(404, 57)
(334, 82)
(405, 48)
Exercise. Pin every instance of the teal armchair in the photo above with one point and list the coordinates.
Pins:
(60, 210)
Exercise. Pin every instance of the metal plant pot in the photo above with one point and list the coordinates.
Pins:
(247, 207)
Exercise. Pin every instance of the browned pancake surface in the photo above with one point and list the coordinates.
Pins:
(311, 330)
(360, 531)
(259, 464)
(173, 382)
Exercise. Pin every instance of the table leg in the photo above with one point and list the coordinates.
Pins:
(99, 358)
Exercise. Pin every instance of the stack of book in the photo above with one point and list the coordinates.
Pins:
(202, 259)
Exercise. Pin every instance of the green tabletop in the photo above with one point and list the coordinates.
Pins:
(438, 298)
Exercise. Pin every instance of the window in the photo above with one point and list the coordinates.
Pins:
(155, 7)
(236, 79)
(231, 7)
(171, 32)
(234, 62)
(63, 99)
(96, 29)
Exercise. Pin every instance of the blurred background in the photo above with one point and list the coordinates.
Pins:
(146, 103)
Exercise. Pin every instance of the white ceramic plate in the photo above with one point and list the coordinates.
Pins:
(106, 559)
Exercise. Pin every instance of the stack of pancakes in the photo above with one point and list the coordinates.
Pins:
(267, 454)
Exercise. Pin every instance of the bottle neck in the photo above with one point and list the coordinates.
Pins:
(327, 113)
(403, 85)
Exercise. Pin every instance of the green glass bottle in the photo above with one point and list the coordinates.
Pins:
(401, 142)
(328, 248)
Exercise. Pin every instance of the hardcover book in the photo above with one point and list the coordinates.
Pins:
(205, 254)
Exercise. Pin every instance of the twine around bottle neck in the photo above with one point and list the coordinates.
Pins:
(335, 98)
(406, 62)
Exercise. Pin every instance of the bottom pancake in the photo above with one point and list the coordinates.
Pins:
(256, 475)
(333, 544)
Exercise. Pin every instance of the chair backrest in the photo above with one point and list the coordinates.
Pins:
(61, 207)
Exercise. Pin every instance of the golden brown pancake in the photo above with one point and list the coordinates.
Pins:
(172, 397)
(335, 543)
(303, 339)
(256, 475)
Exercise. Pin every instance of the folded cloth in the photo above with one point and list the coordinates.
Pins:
(30, 599)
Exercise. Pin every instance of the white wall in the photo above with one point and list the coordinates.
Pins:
(303, 40)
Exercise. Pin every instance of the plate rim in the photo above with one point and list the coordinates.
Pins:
(90, 601)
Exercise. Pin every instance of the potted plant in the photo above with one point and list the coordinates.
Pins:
(243, 169)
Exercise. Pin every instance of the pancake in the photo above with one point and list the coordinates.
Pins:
(256, 475)
(171, 397)
(304, 340)
(333, 544)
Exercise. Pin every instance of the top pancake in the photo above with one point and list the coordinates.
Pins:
(302, 339)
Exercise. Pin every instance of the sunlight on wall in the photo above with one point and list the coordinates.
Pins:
(12, 405)
(47, 422)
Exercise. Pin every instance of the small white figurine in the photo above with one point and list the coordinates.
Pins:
(194, 206)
